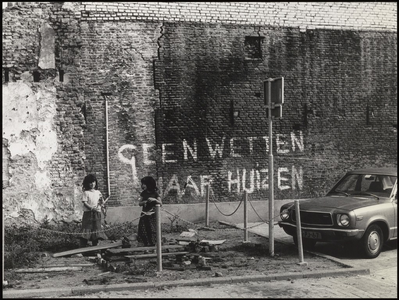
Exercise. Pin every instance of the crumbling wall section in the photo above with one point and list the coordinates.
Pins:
(42, 118)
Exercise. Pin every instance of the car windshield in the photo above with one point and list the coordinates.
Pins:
(365, 184)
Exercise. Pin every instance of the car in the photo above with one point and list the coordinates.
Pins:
(360, 209)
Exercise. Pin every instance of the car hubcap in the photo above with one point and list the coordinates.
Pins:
(374, 241)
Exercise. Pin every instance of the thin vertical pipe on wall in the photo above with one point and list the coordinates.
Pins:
(107, 142)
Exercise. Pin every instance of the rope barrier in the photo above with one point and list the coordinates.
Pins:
(267, 222)
(227, 215)
(79, 233)
(200, 226)
(176, 217)
(257, 212)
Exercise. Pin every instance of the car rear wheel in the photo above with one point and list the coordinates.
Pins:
(372, 241)
(307, 244)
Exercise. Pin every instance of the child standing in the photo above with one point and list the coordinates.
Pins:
(91, 221)
(147, 224)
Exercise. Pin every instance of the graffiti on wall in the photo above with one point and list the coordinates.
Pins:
(238, 180)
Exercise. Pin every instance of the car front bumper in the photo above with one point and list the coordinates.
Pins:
(323, 234)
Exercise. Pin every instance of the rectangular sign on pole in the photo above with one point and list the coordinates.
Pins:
(277, 112)
(276, 91)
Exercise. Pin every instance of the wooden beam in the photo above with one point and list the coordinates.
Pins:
(43, 270)
(114, 258)
(230, 224)
(69, 265)
(88, 249)
(138, 249)
(153, 255)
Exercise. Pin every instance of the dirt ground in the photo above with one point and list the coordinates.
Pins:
(232, 258)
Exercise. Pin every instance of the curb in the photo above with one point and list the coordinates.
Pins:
(54, 292)
(281, 241)
(332, 258)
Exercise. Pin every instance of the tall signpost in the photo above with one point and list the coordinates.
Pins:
(274, 99)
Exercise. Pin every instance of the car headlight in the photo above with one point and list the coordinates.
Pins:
(343, 220)
(284, 215)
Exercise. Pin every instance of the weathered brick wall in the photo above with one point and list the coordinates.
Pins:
(203, 70)
(43, 124)
(176, 73)
(326, 15)
(118, 59)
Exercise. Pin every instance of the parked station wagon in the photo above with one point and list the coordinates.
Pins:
(360, 208)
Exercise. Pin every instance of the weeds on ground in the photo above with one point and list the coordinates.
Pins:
(24, 245)
(119, 230)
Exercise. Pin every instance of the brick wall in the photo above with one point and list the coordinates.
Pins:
(43, 120)
(123, 55)
(204, 77)
(176, 74)
(326, 15)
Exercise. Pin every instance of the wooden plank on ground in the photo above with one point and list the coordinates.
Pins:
(43, 270)
(153, 255)
(70, 265)
(212, 242)
(230, 224)
(88, 249)
(138, 249)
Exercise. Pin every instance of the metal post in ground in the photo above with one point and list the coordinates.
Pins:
(271, 175)
(207, 206)
(245, 217)
(159, 236)
(299, 233)
(2, 221)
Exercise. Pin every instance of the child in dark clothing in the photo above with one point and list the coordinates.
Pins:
(147, 224)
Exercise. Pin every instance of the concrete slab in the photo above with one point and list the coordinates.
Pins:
(262, 229)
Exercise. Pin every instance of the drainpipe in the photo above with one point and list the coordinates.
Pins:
(107, 143)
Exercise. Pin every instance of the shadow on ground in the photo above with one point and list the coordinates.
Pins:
(347, 251)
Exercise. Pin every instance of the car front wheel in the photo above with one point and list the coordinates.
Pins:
(372, 241)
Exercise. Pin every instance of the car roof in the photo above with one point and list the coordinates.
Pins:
(376, 171)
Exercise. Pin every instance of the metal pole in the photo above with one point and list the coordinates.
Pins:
(4, 237)
(245, 216)
(107, 141)
(159, 236)
(271, 181)
(207, 206)
(299, 233)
